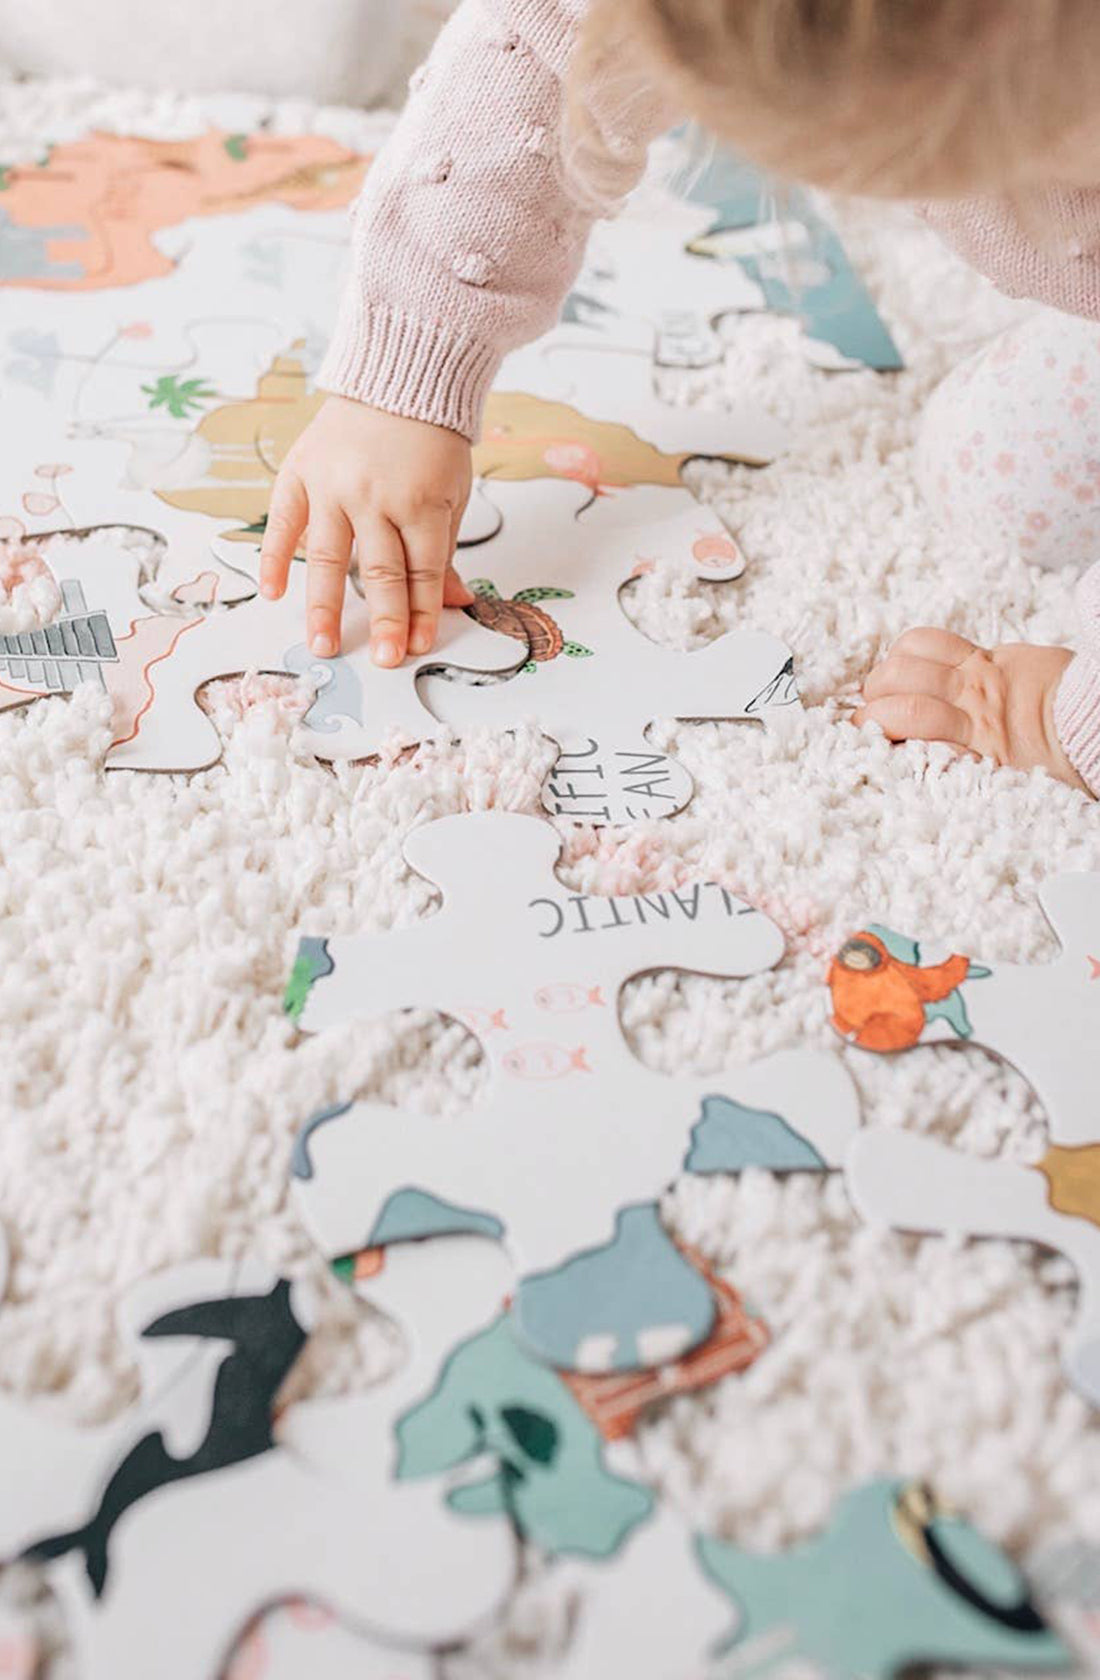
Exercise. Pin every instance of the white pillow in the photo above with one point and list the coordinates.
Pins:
(330, 51)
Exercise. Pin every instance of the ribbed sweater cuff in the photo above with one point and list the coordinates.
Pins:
(418, 369)
(1077, 719)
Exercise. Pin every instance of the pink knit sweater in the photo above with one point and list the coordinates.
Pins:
(469, 233)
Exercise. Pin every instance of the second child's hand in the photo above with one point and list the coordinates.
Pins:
(396, 490)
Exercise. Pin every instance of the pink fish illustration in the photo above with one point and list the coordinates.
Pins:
(545, 1061)
(566, 998)
(481, 1020)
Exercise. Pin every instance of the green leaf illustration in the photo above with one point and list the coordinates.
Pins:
(535, 1434)
(237, 146)
(178, 396)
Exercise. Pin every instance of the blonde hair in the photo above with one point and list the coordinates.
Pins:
(897, 98)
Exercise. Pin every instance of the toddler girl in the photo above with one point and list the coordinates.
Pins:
(532, 117)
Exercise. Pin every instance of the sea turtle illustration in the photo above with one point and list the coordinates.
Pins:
(522, 617)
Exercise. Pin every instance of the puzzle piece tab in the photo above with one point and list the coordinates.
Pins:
(890, 994)
(568, 1154)
(897, 1582)
(593, 682)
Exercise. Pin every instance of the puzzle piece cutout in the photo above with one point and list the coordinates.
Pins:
(593, 682)
(175, 1515)
(897, 1582)
(1043, 1019)
(535, 972)
(917, 1184)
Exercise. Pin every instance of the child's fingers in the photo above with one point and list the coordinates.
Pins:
(905, 673)
(328, 550)
(455, 592)
(380, 556)
(918, 717)
(942, 646)
(428, 554)
(287, 514)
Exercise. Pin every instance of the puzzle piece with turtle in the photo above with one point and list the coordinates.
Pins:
(175, 1514)
(887, 996)
(566, 1157)
(593, 682)
(896, 1580)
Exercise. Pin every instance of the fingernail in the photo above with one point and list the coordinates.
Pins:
(267, 589)
(323, 645)
(420, 641)
(385, 653)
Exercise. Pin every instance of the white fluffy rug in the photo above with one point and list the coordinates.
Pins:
(150, 1084)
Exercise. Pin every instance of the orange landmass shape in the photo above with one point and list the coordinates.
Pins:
(96, 203)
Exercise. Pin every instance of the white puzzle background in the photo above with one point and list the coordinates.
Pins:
(152, 1019)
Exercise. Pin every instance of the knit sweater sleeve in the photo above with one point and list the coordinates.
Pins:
(1077, 703)
(468, 233)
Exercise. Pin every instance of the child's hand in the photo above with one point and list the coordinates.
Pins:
(936, 686)
(398, 489)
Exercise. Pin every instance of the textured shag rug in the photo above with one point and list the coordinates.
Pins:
(150, 1084)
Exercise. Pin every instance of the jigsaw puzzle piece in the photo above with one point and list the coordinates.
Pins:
(651, 1612)
(357, 706)
(603, 1287)
(796, 1111)
(897, 1581)
(1066, 1577)
(298, 1638)
(185, 1523)
(560, 958)
(916, 1184)
(797, 261)
(608, 374)
(596, 1293)
(176, 1378)
(890, 994)
(627, 1559)
(20, 1651)
(593, 682)
(636, 1302)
